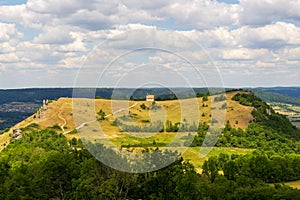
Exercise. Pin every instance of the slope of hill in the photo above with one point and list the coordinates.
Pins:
(28, 100)
(45, 164)
(59, 114)
(127, 126)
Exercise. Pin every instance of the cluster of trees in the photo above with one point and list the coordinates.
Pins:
(255, 136)
(268, 130)
(268, 167)
(44, 165)
(158, 126)
(247, 99)
(220, 98)
(182, 127)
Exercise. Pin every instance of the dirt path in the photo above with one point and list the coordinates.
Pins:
(85, 123)
(120, 110)
(63, 119)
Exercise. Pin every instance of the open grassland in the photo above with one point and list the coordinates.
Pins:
(152, 140)
(67, 114)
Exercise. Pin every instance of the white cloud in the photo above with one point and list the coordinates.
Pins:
(56, 7)
(275, 35)
(241, 37)
(290, 54)
(6, 47)
(55, 35)
(9, 58)
(261, 12)
(244, 54)
(12, 13)
(77, 45)
(8, 32)
(73, 62)
(202, 14)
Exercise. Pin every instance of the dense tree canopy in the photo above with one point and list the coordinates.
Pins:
(44, 165)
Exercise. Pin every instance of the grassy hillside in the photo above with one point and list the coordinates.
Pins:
(245, 161)
(120, 115)
(59, 117)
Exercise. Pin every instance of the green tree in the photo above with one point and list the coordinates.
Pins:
(101, 114)
(230, 170)
(210, 168)
(143, 106)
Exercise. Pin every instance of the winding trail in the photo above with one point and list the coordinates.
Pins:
(120, 110)
(85, 123)
(63, 119)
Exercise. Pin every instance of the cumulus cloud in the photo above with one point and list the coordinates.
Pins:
(245, 54)
(250, 37)
(275, 35)
(202, 14)
(262, 12)
(55, 35)
(8, 58)
(8, 32)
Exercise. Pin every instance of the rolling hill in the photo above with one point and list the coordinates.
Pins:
(135, 125)
(59, 113)
(254, 151)
(18, 104)
(59, 116)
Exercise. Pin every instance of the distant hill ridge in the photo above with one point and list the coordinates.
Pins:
(35, 96)
(59, 114)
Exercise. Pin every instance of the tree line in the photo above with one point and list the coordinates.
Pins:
(45, 165)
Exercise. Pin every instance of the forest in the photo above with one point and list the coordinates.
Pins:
(45, 165)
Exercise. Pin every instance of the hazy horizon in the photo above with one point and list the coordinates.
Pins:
(225, 87)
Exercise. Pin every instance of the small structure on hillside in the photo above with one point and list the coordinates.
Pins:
(44, 106)
(150, 97)
(17, 134)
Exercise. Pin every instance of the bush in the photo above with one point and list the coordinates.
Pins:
(56, 127)
(220, 98)
(101, 114)
(143, 106)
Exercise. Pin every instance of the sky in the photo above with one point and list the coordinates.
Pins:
(133, 43)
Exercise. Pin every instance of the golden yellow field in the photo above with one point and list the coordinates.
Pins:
(66, 112)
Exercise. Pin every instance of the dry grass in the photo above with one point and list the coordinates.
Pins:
(237, 112)
(294, 184)
(67, 112)
(4, 140)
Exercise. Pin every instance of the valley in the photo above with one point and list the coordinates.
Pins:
(292, 112)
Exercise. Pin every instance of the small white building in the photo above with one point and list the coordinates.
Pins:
(150, 97)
